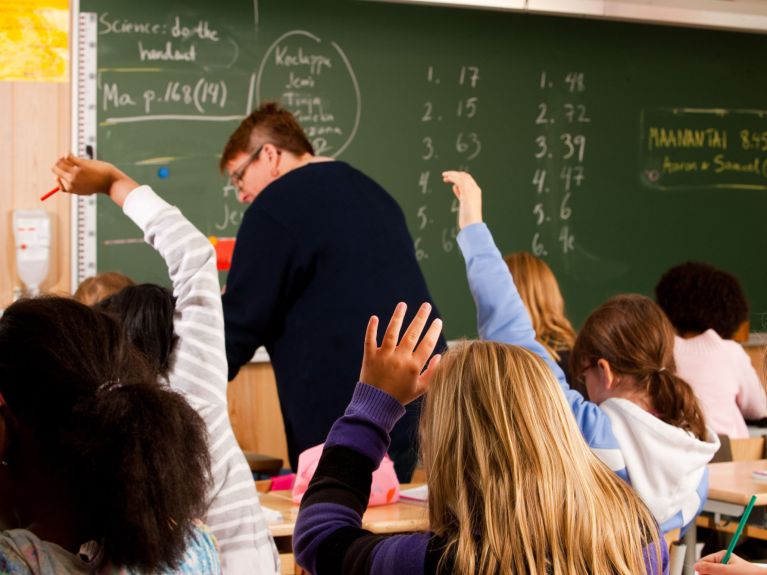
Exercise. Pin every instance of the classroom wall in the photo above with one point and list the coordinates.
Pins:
(35, 120)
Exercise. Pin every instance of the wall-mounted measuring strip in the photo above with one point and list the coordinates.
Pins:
(84, 84)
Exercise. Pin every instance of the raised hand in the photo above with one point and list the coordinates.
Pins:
(396, 366)
(86, 177)
(712, 564)
(469, 195)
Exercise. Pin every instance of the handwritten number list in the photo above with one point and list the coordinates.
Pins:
(559, 149)
(454, 100)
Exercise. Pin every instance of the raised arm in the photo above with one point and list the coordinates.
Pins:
(501, 315)
(199, 362)
(328, 534)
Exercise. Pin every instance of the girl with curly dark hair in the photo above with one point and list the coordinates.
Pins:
(707, 306)
(103, 471)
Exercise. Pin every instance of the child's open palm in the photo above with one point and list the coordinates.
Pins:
(396, 366)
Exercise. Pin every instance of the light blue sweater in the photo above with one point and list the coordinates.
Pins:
(633, 443)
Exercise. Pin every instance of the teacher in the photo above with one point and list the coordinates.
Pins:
(321, 248)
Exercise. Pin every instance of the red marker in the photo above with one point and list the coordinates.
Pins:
(49, 194)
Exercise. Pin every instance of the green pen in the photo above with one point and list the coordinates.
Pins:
(739, 530)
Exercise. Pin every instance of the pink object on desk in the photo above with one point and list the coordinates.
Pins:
(384, 490)
(283, 482)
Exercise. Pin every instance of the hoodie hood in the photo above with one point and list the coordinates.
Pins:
(666, 465)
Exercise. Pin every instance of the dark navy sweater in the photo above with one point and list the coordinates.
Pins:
(319, 251)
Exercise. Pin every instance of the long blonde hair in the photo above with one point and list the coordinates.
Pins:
(513, 487)
(540, 293)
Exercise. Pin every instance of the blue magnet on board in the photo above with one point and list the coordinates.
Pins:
(163, 172)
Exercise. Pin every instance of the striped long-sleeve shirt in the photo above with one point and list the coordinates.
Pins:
(199, 371)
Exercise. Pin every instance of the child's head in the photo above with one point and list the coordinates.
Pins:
(507, 463)
(95, 288)
(146, 312)
(95, 439)
(540, 293)
(626, 349)
(697, 296)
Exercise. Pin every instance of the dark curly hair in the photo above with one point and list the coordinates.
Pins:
(146, 312)
(92, 425)
(697, 296)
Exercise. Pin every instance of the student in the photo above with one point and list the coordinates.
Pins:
(100, 286)
(545, 305)
(513, 488)
(645, 423)
(712, 565)
(105, 471)
(194, 364)
(706, 306)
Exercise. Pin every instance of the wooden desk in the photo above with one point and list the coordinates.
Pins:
(401, 517)
(730, 487)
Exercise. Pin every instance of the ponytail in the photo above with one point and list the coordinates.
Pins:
(130, 452)
(675, 402)
(632, 333)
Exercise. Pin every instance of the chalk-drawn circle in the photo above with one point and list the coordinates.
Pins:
(315, 81)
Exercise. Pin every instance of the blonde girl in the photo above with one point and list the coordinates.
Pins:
(644, 422)
(545, 305)
(543, 301)
(513, 488)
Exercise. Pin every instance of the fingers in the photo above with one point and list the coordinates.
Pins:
(391, 337)
(429, 371)
(371, 336)
(74, 159)
(413, 332)
(710, 568)
(429, 342)
(712, 564)
(453, 176)
(63, 169)
(714, 557)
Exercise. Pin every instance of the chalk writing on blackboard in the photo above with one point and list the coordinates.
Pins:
(313, 79)
(562, 119)
(685, 148)
(197, 88)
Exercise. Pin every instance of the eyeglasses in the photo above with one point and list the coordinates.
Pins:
(236, 176)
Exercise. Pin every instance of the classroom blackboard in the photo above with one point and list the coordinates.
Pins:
(613, 150)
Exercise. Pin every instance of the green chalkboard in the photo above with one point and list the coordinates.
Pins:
(613, 150)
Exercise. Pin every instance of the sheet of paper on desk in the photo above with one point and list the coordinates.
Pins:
(420, 493)
(271, 515)
(760, 474)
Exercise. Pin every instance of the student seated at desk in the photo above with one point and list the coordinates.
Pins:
(545, 305)
(706, 306)
(643, 421)
(182, 336)
(104, 471)
(513, 488)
